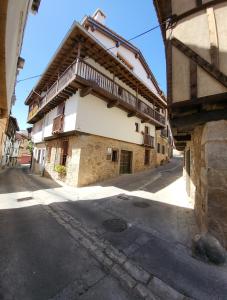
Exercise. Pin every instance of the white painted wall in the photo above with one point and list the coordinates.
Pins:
(16, 19)
(138, 68)
(94, 117)
(43, 128)
(37, 132)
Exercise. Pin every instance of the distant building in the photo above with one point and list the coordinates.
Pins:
(10, 145)
(95, 111)
(13, 17)
(24, 154)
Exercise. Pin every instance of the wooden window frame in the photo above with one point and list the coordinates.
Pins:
(115, 155)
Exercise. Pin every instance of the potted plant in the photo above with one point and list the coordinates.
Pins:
(61, 170)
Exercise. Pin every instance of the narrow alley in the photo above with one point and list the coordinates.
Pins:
(129, 233)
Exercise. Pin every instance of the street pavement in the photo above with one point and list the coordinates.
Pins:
(125, 238)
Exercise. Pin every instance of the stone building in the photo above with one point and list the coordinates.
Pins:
(195, 33)
(96, 108)
(13, 18)
(24, 154)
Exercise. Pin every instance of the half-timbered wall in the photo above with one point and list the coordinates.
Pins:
(205, 33)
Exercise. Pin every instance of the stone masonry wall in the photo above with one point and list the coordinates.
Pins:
(87, 159)
(208, 181)
(94, 165)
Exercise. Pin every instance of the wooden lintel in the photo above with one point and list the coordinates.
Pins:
(193, 80)
(85, 91)
(204, 64)
(112, 104)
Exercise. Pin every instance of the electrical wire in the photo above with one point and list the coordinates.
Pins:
(116, 46)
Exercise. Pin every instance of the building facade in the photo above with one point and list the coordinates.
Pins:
(12, 25)
(99, 116)
(10, 145)
(24, 147)
(194, 33)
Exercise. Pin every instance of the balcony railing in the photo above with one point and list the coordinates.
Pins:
(148, 141)
(86, 75)
(58, 123)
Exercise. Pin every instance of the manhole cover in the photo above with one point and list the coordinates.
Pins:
(24, 199)
(115, 225)
(141, 204)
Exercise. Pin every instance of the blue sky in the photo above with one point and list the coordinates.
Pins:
(45, 31)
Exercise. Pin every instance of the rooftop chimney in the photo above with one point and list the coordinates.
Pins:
(99, 16)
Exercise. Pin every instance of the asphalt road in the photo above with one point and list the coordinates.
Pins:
(41, 256)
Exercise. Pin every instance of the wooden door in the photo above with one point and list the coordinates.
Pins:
(126, 162)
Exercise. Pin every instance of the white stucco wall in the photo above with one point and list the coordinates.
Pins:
(37, 131)
(43, 128)
(16, 19)
(94, 117)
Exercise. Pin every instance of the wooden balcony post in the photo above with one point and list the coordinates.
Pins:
(78, 57)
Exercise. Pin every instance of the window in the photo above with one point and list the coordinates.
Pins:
(64, 151)
(147, 157)
(137, 127)
(163, 149)
(158, 148)
(61, 109)
(115, 155)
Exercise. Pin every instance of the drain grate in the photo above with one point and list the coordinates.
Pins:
(24, 199)
(123, 197)
(115, 225)
(141, 204)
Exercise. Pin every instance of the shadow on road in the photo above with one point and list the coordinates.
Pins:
(12, 180)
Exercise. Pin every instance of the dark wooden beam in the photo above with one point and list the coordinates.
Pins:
(145, 120)
(211, 99)
(190, 121)
(112, 104)
(85, 91)
(181, 138)
(204, 64)
(132, 114)
(197, 9)
(193, 80)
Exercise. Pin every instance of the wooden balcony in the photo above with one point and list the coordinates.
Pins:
(58, 124)
(84, 76)
(148, 141)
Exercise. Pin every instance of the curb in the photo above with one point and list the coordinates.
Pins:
(131, 276)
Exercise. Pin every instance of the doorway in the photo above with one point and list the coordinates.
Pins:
(126, 162)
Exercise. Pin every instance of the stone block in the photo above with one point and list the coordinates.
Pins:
(164, 291)
(136, 271)
(120, 273)
(215, 131)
